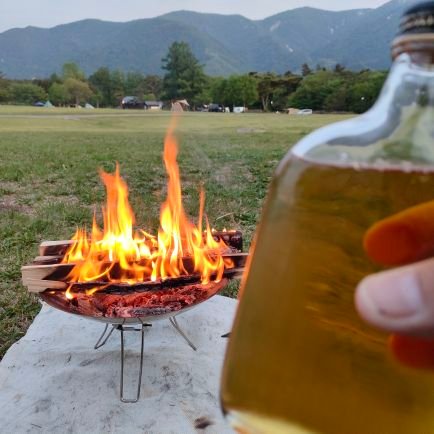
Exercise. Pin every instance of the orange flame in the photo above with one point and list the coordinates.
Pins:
(121, 254)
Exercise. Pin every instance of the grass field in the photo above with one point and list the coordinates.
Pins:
(49, 182)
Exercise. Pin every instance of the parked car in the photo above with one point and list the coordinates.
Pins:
(132, 102)
(153, 105)
(305, 112)
(202, 108)
(216, 108)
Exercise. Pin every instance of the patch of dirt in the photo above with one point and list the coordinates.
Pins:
(224, 175)
(10, 203)
(27, 200)
(67, 200)
(230, 174)
(250, 131)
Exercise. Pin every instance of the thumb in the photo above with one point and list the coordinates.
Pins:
(400, 300)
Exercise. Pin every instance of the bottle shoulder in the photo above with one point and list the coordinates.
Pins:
(398, 129)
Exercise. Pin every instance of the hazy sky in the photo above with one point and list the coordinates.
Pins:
(48, 13)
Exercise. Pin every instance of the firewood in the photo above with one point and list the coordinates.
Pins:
(38, 286)
(233, 239)
(47, 260)
(44, 269)
(34, 276)
(54, 248)
(49, 272)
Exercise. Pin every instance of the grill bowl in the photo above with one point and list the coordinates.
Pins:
(134, 307)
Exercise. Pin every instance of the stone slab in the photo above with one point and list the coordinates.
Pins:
(53, 381)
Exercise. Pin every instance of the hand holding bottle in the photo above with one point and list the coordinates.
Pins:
(401, 300)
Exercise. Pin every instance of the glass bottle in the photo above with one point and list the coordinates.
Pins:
(300, 359)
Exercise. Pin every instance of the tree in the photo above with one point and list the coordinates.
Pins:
(240, 90)
(314, 90)
(337, 100)
(27, 93)
(54, 78)
(339, 69)
(117, 79)
(45, 83)
(58, 94)
(77, 90)
(71, 70)
(134, 84)
(153, 85)
(365, 90)
(217, 90)
(275, 88)
(266, 85)
(101, 83)
(305, 70)
(185, 77)
(5, 94)
(285, 86)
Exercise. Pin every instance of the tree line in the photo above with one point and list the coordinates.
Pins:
(320, 89)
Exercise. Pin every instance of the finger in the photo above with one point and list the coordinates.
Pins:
(401, 300)
(403, 238)
(413, 352)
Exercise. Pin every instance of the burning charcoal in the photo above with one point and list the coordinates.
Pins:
(188, 299)
(174, 306)
(168, 298)
(103, 301)
(85, 306)
(133, 304)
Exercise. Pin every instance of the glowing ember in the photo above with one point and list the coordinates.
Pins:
(121, 254)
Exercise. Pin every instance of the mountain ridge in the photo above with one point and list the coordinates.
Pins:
(225, 44)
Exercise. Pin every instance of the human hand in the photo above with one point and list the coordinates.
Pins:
(401, 300)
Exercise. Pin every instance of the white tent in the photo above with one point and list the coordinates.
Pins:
(88, 106)
(48, 105)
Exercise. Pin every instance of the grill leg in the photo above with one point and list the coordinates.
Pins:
(123, 329)
(176, 326)
(104, 338)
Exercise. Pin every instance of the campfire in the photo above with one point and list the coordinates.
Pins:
(117, 273)
(125, 276)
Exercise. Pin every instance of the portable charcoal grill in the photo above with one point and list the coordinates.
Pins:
(127, 308)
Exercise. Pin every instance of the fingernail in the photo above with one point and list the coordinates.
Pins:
(394, 295)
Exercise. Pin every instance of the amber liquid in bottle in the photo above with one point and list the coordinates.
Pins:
(300, 359)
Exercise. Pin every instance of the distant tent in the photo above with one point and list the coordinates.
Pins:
(88, 106)
(180, 105)
(48, 105)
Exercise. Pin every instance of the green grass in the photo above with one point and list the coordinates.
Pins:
(49, 182)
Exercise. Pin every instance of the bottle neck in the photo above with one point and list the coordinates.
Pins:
(420, 48)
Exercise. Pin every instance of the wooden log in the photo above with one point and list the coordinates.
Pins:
(49, 272)
(47, 260)
(55, 248)
(36, 286)
(233, 239)
(39, 286)
(39, 265)
(58, 272)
